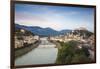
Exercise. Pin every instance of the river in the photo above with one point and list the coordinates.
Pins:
(45, 53)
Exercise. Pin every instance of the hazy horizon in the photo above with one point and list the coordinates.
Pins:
(55, 17)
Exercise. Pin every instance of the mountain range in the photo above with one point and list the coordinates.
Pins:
(42, 31)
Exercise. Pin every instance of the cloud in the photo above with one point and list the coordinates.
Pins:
(49, 16)
(28, 19)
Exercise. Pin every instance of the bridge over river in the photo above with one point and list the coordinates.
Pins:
(45, 53)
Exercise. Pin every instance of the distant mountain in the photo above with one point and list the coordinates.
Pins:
(17, 27)
(65, 31)
(41, 31)
(19, 31)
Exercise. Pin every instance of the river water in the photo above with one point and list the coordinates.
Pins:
(45, 53)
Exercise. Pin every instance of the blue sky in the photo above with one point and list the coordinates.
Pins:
(56, 17)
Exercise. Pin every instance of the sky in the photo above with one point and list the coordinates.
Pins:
(55, 17)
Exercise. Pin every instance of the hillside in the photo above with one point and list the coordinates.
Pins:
(42, 31)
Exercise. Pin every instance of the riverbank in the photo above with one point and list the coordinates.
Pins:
(21, 51)
(57, 44)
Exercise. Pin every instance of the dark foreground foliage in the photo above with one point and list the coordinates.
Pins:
(70, 53)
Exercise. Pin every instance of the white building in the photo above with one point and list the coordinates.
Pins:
(29, 39)
(18, 43)
(36, 37)
(22, 30)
